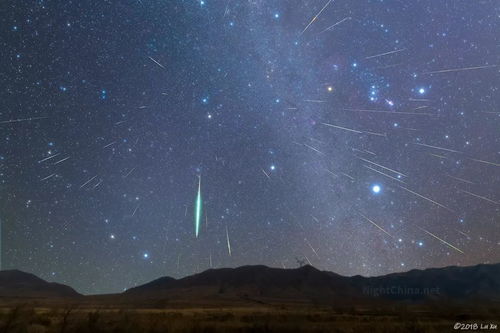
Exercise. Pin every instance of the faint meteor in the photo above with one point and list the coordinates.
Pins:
(460, 179)
(381, 166)
(391, 112)
(436, 147)
(60, 161)
(48, 158)
(48, 177)
(198, 208)
(442, 241)
(342, 128)
(312, 248)
(21, 120)
(479, 196)
(383, 54)
(314, 101)
(485, 162)
(228, 242)
(109, 144)
(97, 185)
(308, 260)
(266, 174)
(439, 156)
(88, 181)
(384, 174)
(330, 27)
(459, 69)
(135, 210)
(428, 199)
(350, 177)
(315, 17)
(375, 224)
(331, 172)
(128, 173)
(156, 62)
(314, 149)
(315, 218)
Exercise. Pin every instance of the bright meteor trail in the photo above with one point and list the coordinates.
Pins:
(198, 208)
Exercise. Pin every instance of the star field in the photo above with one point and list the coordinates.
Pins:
(359, 136)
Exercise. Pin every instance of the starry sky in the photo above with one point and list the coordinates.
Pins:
(359, 136)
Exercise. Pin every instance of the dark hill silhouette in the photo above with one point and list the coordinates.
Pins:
(14, 283)
(263, 284)
(481, 282)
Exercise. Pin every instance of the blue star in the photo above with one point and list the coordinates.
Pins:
(376, 189)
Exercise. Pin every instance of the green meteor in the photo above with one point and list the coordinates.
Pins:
(198, 209)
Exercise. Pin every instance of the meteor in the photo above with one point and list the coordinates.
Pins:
(460, 69)
(314, 149)
(381, 166)
(315, 17)
(430, 200)
(88, 181)
(435, 147)
(384, 174)
(460, 179)
(391, 112)
(442, 241)
(485, 162)
(479, 196)
(156, 62)
(266, 174)
(109, 144)
(228, 242)
(375, 224)
(386, 53)
(48, 158)
(21, 120)
(60, 161)
(198, 208)
(330, 27)
(342, 128)
(52, 175)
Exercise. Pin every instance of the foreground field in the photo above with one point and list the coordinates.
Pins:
(29, 319)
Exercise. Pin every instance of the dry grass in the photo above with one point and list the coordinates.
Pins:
(27, 319)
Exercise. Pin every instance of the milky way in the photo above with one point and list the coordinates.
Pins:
(359, 136)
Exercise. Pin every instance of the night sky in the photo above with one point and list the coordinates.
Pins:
(359, 136)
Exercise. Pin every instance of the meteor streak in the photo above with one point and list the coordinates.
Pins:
(375, 224)
(430, 200)
(48, 158)
(391, 112)
(88, 181)
(156, 62)
(228, 242)
(460, 69)
(109, 144)
(386, 53)
(479, 196)
(342, 128)
(312, 148)
(60, 161)
(381, 166)
(384, 174)
(330, 27)
(442, 241)
(198, 208)
(485, 162)
(435, 147)
(21, 120)
(315, 17)
(52, 175)
(266, 174)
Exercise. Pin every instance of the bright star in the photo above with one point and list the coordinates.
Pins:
(421, 91)
(376, 189)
